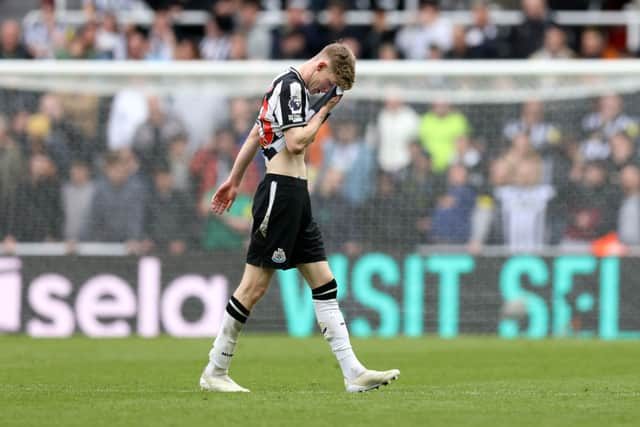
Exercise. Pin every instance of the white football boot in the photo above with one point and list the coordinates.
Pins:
(220, 383)
(371, 380)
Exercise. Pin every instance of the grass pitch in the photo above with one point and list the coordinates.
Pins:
(296, 382)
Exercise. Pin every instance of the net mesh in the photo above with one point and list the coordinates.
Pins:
(395, 137)
(526, 157)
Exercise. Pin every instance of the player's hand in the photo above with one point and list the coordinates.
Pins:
(224, 197)
(333, 102)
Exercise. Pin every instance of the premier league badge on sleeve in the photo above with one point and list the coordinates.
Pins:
(295, 105)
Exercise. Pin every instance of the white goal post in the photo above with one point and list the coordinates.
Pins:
(459, 82)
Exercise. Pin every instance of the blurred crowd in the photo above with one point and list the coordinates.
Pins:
(234, 32)
(398, 176)
(140, 169)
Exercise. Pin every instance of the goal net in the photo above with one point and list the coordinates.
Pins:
(491, 158)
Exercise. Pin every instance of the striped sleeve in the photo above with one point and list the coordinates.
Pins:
(293, 104)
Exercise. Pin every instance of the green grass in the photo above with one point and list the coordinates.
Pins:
(296, 382)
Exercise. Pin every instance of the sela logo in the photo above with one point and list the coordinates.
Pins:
(279, 256)
(106, 305)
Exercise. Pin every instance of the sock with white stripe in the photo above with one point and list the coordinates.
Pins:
(221, 353)
(334, 329)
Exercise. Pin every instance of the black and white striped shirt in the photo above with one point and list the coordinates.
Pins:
(598, 132)
(285, 105)
(523, 212)
(594, 123)
(540, 134)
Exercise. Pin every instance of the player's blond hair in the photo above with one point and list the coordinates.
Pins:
(342, 62)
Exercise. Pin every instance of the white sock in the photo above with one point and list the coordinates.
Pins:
(221, 353)
(334, 329)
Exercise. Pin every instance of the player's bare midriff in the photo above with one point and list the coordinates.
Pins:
(289, 164)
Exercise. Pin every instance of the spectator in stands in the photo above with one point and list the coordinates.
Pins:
(137, 45)
(419, 187)
(19, 132)
(238, 47)
(451, 222)
(623, 152)
(230, 230)
(211, 163)
(590, 206)
(336, 27)
(37, 216)
(64, 139)
(593, 45)
(82, 111)
(629, 213)
(216, 44)
(10, 45)
(431, 30)
(543, 136)
(335, 216)
(469, 154)
(88, 34)
(555, 45)
(439, 129)
(518, 151)
(162, 39)
(528, 37)
(178, 159)
(387, 218)
(388, 52)
(532, 123)
(378, 34)
(486, 219)
(77, 196)
(11, 175)
(152, 137)
(129, 109)
(396, 129)
(459, 48)
(81, 46)
(38, 128)
(523, 207)
(117, 208)
(169, 217)
(258, 38)
(132, 164)
(348, 153)
(242, 112)
(598, 127)
(483, 38)
(110, 43)
(202, 112)
(187, 50)
(295, 39)
(45, 36)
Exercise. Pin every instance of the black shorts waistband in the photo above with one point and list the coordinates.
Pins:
(286, 180)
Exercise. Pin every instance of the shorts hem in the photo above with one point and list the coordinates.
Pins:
(272, 265)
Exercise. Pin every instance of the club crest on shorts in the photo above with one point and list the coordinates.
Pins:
(279, 256)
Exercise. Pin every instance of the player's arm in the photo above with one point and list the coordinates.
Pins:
(227, 192)
(297, 138)
(245, 156)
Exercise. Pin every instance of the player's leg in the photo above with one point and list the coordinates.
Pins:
(253, 285)
(324, 290)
